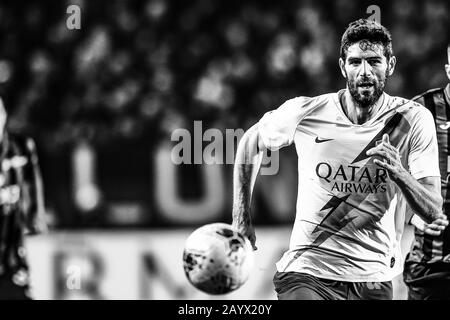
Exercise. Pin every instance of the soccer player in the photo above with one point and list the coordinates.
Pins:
(358, 150)
(427, 266)
(21, 209)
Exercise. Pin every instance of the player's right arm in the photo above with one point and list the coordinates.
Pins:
(275, 130)
(246, 169)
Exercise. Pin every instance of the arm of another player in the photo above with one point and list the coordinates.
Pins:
(35, 218)
(246, 169)
(423, 195)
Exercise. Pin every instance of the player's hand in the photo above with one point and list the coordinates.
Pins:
(248, 231)
(391, 159)
(434, 228)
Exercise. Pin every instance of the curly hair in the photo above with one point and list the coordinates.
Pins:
(369, 30)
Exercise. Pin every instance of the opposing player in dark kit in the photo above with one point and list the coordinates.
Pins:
(427, 266)
(21, 209)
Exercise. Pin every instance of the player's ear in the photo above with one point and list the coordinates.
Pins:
(391, 65)
(342, 67)
(447, 70)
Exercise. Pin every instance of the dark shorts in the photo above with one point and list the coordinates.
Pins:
(301, 286)
(427, 281)
(433, 290)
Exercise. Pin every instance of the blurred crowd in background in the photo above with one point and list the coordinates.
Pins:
(137, 70)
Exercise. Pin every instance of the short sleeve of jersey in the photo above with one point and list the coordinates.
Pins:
(277, 127)
(424, 157)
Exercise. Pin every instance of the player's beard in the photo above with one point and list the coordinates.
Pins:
(366, 99)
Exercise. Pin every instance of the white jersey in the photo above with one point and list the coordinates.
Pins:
(346, 228)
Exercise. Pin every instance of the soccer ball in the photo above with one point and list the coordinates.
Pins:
(217, 259)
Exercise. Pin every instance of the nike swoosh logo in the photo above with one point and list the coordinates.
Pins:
(322, 140)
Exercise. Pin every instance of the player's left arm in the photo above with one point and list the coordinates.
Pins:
(423, 194)
(437, 226)
(35, 215)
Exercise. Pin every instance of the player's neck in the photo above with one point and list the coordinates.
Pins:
(356, 113)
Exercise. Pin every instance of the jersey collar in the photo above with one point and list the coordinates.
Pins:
(381, 110)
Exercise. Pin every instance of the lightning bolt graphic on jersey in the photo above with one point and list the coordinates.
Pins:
(341, 205)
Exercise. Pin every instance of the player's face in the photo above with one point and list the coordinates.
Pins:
(366, 70)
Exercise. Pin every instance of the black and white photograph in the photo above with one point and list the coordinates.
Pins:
(237, 153)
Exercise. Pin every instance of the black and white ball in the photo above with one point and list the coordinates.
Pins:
(217, 259)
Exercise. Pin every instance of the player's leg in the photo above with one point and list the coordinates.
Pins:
(300, 286)
(370, 291)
